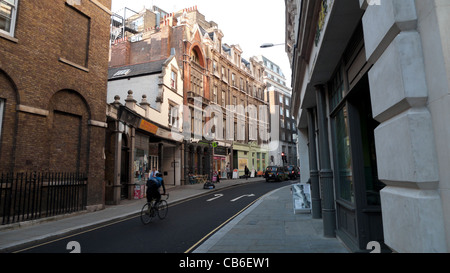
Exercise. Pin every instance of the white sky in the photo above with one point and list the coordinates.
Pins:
(249, 23)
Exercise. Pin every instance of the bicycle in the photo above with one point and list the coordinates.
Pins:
(149, 210)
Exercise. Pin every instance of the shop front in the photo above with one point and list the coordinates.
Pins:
(332, 98)
(241, 157)
(348, 169)
(199, 158)
(357, 188)
(135, 146)
(220, 160)
(257, 159)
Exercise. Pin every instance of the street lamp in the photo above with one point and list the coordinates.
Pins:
(266, 45)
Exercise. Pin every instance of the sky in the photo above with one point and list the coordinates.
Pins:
(249, 23)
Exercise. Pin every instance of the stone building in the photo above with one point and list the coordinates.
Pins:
(53, 71)
(371, 92)
(278, 95)
(144, 127)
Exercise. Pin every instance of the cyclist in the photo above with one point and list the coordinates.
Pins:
(153, 185)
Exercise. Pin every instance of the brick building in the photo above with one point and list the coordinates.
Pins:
(53, 74)
(214, 75)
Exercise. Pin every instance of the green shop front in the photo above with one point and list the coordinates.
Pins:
(251, 155)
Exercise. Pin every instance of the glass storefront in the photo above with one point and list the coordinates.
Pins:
(140, 161)
(344, 158)
(219, 165)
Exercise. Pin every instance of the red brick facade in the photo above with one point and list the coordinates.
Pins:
(53, 81)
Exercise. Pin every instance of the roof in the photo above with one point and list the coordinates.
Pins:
(135, 70)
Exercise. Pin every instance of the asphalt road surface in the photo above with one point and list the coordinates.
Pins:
(187, 224)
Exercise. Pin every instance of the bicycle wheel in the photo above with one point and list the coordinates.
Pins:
(163, 209)
(147, 213)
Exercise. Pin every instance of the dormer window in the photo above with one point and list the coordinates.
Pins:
(173, 79)
(123, 72)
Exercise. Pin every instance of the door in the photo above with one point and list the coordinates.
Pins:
(357, 186)
(124, 168)
(367, 190)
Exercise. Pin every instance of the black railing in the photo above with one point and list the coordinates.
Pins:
(30, 196)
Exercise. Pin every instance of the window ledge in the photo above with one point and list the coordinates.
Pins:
(8, 37)
(73, 64)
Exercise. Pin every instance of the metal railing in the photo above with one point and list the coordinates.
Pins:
(30, 196)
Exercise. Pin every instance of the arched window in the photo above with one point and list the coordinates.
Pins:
(194, 57)
(196, 73)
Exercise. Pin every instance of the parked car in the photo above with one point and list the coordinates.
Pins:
(293, 172)
(276, 173)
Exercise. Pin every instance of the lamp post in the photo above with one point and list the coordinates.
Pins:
(266, 45)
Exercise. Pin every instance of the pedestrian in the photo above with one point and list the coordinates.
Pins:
(247, 171)
(153, 173)
(227, 169)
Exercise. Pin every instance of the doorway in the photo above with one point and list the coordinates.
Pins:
(357, 186)
(124, 168)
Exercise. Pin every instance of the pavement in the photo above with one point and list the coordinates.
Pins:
(267, 226)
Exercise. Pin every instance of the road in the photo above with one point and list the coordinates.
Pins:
(188, 223)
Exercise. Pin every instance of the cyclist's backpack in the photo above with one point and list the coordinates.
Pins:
(153, 182)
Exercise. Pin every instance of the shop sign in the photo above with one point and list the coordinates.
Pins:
(220, 150)
(149, 127)
(129, 117)
(169, 135)
(322, 15)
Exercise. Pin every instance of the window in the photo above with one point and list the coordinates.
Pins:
(286, 101)
(197, 81)
(337, 89)
(214, 66)
(223, 98)
(233, 79)
(344, 158)
(173, 79)
(194, 57)
(281, 99)
(215, 94)
(197, 123)
(173, 115)
(8, 14)
(224, 127)
(122, 72)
